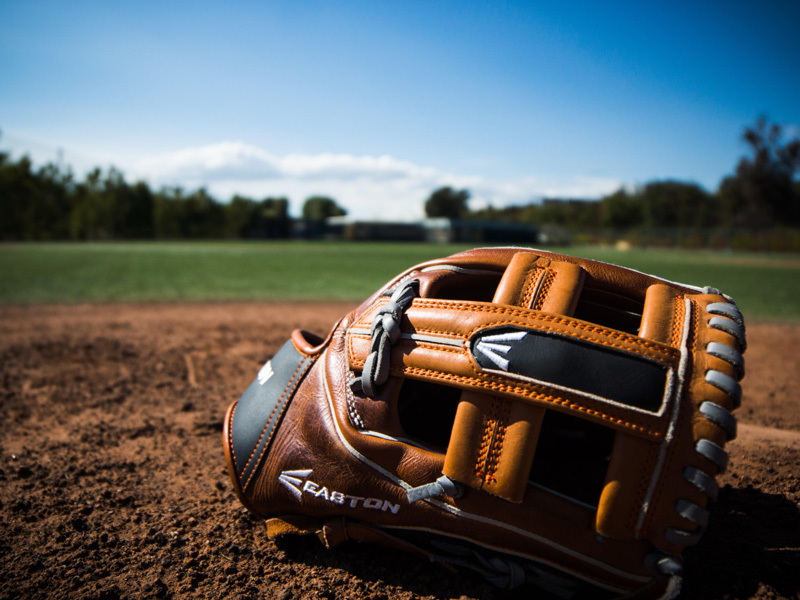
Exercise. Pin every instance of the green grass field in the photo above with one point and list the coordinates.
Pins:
(767, 287)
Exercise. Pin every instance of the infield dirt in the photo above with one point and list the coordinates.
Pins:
(113, 481)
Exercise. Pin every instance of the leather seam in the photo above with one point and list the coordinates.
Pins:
(352, 411)
(482, 468)
(663, 355)
(531, 279)
(230, 433)
(549, 277)
(495, 385)
(269, 440)
(661, 488)
(501, 387)
(696, 328)
(496, 449)
(519, 312)
(642, 490)
(267, 424)
(677, 322)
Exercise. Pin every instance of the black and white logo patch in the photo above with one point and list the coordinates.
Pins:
(569, 363)
(496, 347)
(265, 373)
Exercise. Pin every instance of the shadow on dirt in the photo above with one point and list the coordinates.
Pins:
(753, 541)
(752, 544)
(374, 564)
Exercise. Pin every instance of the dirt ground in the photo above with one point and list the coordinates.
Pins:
(113, 481)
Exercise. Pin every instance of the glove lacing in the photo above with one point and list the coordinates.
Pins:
(385, 332)
(725, 316)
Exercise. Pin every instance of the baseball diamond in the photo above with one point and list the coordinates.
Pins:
(112, 467)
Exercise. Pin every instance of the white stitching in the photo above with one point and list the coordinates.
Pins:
(352, 412)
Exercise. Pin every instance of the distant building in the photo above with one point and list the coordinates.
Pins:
(346, 228)
(566, 201)
(440, 230)
(479, 232)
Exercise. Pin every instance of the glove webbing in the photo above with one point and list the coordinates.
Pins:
(385, 332)
(504, 572)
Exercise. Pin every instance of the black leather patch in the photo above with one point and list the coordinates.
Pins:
(261, 408)
(573, 364)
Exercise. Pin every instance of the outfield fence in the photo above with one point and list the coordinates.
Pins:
(778, 239)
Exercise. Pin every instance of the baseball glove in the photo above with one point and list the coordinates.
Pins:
(538, 418)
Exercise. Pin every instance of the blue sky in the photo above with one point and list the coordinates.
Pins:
(378, 103)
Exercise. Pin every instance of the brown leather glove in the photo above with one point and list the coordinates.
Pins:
(538, 418)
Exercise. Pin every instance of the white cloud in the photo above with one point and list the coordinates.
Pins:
(224, 161)
(369, 187)
(347, 166)
(239, 161)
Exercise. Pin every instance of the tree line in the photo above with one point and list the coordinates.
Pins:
(48, 203)
(763, 193)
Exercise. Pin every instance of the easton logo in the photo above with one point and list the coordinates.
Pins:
(265, 373)
(493, 346)
(299, 484)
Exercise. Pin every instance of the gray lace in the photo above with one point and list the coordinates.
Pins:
(385, 332)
